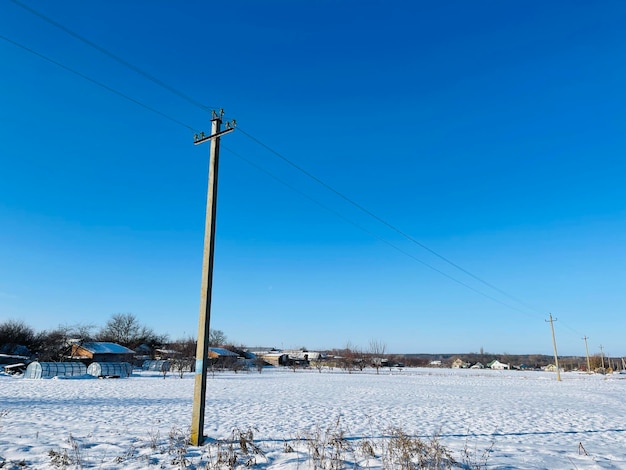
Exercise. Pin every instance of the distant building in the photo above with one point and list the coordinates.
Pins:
(9, 359)
(160, 365)
(497, 365)
(160, 353)
(274, 357)
(102, 352)
(216, 353)
(459, 363)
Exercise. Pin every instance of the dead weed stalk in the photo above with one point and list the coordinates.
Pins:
(239, 450)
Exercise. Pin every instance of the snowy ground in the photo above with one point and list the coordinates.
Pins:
(509, 419)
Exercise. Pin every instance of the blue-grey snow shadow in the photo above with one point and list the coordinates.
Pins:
(75, 402)
(494, 434)
(528, 433)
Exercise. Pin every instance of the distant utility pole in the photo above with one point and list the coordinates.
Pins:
(602, 355)
(556, 356)
(202, 350)
(587, 352)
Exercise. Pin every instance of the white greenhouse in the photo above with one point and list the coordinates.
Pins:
(110, 369)
(47, 370)
(160, 365)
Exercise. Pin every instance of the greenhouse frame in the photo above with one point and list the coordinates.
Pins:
(159, 365)
(47, 370)
(110, 369)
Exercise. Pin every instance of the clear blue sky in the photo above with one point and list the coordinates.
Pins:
(491, 132)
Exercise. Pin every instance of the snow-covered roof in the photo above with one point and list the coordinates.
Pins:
(223, 352)
(12, 356)
(272, 354)
(167, 351)
(106, 348)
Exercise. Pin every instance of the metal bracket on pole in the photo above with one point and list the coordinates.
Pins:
(201, 138)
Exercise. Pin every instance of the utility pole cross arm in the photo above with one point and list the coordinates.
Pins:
(200, 139)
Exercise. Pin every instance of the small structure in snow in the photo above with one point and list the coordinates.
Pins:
(15, 369)
(497, 365)
(110, 369)
(158, 365)
(552, 368)
(161, 353)
(215, 353)
(274, 358)
(9, 359)
(459, 363)
(102, 352)
(47, 370)
(222, 357)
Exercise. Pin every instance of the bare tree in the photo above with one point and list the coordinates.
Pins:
(125, 329)
(319, 363)
(216, 338)
(360, 358)
(16, 337)
(79, 331)
(596, 362)
(56, 345)
(259, 363)
(348, 357)
(293, 363)
(122, 328)
(185, 346)
(377, 352)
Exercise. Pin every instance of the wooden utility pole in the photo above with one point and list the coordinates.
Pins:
(556, 356)
(587, 352)
(602, 355)
(202, 350)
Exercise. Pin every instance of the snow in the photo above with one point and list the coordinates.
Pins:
(106, 348)
(508, 419)
(224, 352)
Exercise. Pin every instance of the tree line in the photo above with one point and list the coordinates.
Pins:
(19, 338)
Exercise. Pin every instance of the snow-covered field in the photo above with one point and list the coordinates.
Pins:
(506, 419)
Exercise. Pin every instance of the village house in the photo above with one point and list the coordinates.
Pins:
(497, 365)
(94, 351)
(274, 358)
(459, 363)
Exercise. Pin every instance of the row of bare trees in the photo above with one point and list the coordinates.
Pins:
(353, 357)
(16, 337)
(19, 338)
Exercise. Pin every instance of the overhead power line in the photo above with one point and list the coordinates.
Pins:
(383, 221)
(259, 142)
(369, 232)
(113, 56)
(282, 157)
(96, 82)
